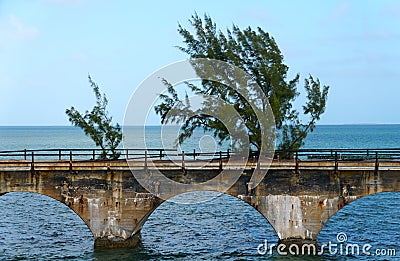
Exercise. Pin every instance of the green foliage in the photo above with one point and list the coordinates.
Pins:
(97, 124)
(257, 53)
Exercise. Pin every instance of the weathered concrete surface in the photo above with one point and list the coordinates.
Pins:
(299, 205)
(115, 206)
(111, 203)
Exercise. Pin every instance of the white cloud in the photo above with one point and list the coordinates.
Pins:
(341, 10)
(20, 30)
(392, 10)
(337, 13)
(12, 28)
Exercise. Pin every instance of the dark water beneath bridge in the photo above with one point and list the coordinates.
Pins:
(34, 227)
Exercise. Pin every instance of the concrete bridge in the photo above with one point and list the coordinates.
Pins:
(297, 196)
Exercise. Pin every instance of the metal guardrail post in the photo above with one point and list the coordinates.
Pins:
(194, 154)
(59, 154)
(228, 153)
(94, 154)
(376, 165)
(70, 161)
(336, 163)
(24, 154)
(33, 162)
(220, 160)
(161, 154)
(258, 171)
(183, 162)
(145, 160)
(126, 154)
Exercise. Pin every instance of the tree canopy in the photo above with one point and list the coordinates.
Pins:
(257, 53)
(97, 124)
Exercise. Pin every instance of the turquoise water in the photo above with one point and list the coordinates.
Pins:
(325, 136)
(354, 136)
(35, 227)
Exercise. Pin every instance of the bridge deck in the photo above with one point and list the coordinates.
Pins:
(23, 165)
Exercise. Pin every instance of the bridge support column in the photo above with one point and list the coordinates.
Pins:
(297, 219)
(112, 204)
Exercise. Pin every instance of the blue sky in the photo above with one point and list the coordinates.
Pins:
(48, 47)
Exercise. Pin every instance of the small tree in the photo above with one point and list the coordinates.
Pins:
(257, 53)
(97, 124)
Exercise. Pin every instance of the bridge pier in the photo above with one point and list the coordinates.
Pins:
(117, 242)
(299, 205)
(296, 218)
(111, 203)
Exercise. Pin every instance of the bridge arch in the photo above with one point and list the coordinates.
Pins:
(38, 226)
(225, 222)
(369, 219)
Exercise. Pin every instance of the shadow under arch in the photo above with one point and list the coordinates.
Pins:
(222, 225)
(34, 225)
(372, 219)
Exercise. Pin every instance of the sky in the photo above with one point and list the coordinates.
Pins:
(48, 48)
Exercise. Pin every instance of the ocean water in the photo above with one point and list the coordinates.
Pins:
(35, 227)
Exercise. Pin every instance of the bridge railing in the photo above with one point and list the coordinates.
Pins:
(71, 158)
(343, 154)
(51, 155)
(79, 154)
